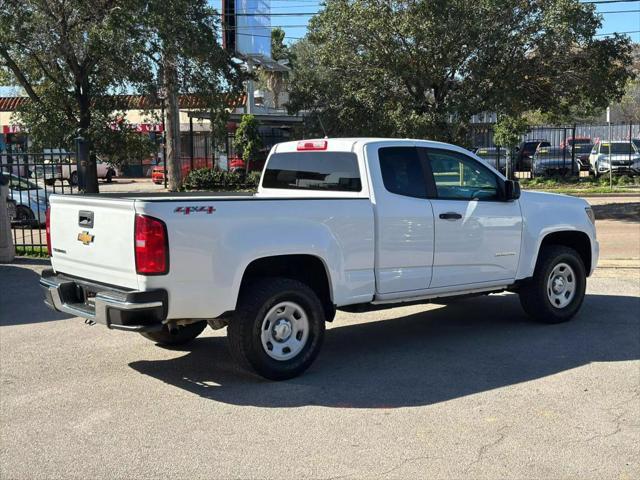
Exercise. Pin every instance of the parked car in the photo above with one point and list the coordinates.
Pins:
(157, 174)
(31, 200)
(572, 141)
(60, 168)
(549, 161)
(581, 151)
(526, 150)
(275, 266)
(625, 158)
(495, 156)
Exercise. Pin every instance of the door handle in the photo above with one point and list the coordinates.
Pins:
(450, 216)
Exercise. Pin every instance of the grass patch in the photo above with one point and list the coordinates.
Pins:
(583, 185)
(31, 251)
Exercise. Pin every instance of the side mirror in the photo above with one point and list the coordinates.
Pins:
(511, 190)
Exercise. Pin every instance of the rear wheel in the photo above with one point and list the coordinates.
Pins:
(179, 336)
(24, 214)
(277, 329)
(555, 292)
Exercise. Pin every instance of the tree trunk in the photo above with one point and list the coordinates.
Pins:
(87, 167)
(172, 124)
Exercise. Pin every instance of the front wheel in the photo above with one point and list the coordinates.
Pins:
(277, 329)
(179, 336)
(555, 292)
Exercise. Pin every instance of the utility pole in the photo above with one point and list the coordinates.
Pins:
(250, 92)
(610, 145)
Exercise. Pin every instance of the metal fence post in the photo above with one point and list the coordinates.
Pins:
(7, 250)
(191, 150)
(573, 152)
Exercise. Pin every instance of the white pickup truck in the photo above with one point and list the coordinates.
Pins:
(336, 223)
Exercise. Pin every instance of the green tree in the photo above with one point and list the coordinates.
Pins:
(507, 132)
(68, 56)
(423, 68)
(72, 56)
(275, 79)
(247, 140)
(181, 43)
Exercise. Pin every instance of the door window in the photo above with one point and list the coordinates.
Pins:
(402, 171)
(458, 177)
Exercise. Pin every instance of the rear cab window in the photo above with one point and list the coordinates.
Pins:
(322, 170)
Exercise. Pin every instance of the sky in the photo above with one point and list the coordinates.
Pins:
(618, 16)
(626, 18)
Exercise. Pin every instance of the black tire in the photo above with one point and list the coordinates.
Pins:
(73, 179)
(180, 336)
(534, 294)
(24, 214)
(245, 327)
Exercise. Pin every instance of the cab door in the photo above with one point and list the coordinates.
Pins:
(477, 234)
(403, 218)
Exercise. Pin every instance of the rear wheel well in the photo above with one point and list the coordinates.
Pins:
(579, 241)
(307, 269)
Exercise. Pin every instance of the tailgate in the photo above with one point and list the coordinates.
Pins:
(92, 238)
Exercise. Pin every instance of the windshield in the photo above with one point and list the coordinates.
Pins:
(582, 147)
(21, 184)
(617, 148)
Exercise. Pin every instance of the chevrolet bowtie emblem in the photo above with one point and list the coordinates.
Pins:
(85, 237)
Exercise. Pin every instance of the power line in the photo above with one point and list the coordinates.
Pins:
(266, 36)
(613, 33)
(620, 11)
(612, 1)
(286, 14)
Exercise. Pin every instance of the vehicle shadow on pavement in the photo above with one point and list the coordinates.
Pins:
(467, 347)
(627, 212)
(21, 298)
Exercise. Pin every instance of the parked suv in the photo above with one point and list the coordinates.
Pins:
(625, 158)
(495, 156)
(525, 152)
(549, 161)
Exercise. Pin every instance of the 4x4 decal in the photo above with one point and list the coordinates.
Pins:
(190, 210)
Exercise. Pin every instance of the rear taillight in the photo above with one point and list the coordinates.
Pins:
(151, 246)
(47, 219)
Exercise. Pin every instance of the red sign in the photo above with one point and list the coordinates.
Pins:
(140, 127)
(11, 129)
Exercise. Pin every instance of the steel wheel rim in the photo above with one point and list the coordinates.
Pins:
(285, 331)
(561, 285)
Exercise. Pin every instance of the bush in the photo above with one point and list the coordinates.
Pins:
(207, 179)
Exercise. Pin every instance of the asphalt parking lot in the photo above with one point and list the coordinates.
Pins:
(472, 389)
